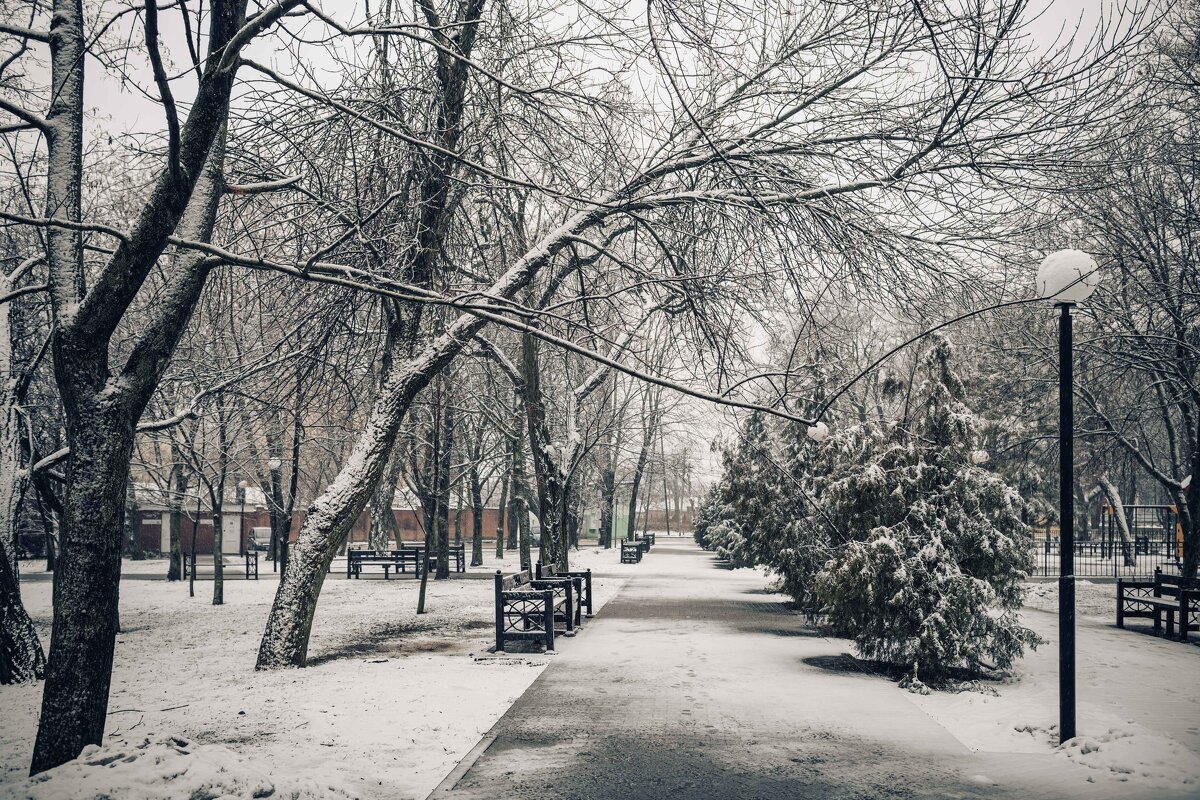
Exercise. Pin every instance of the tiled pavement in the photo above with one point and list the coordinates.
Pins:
(696, 683)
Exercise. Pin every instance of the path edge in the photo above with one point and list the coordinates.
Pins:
(466, 762)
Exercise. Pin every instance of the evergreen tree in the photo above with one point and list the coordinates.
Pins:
(930, 577)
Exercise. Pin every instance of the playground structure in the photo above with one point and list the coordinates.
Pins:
(1155, 542)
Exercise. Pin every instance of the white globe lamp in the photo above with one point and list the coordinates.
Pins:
(818, 432)
(979, 457)
(1068, 276)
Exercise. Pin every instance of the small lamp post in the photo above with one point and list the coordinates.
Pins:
(242, 518)
(1066, 277)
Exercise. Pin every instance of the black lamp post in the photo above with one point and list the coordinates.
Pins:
(1066, 277)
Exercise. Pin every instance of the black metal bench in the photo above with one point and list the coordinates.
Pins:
(631, 552)
(250, 558)
(400, 560)
(387, 560)
(649, 538)
(528, 609)
(1172, 596)
(458, 554)
(583, 585)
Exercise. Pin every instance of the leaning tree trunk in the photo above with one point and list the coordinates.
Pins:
(331, 516)
(21, 656)
(14, 479)
(1122, 522)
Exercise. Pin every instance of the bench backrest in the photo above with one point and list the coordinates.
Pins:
(1174, 583)
(514, 581)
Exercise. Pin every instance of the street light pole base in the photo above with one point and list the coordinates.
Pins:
(1066, 658)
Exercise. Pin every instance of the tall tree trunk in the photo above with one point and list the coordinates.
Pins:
(133, 539)
(525, 535)
(14, 479)
(1122, 522)
(551, 483)
(516, 477)
(476, 486)
(608, 498)
(102, 409)
(217, 495)
(47, 532)
(639, 471)
(1187, 505)
(444, 461)
(502, 506)
(178, 495)
(383, 518)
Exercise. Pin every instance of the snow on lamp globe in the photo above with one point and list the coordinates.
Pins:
(979, 457)
(1067, 276)
(818, 431)
(274, 464)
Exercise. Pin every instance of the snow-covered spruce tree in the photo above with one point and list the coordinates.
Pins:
(930, 579)
(743, 516)
(816, 476)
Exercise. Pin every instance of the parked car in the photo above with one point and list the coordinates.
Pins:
(260, 539)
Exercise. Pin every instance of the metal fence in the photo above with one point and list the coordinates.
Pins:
(1155, 541)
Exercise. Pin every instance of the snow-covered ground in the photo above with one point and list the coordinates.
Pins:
(389, 704)
(1138, 711)
(392, 701)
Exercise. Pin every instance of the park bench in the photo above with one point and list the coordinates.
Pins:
(458, 554)
(250, 560)
(1172, 596)
(387, 560)
(583, 585)
(399, 560)
(649, 537)
(528, 609)
(631, 552)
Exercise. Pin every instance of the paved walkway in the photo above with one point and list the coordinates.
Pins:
(696, 683)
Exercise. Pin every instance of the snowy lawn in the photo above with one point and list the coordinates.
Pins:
(1138, 712)
(389, 704)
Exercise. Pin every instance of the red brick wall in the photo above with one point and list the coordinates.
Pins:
(150, 532)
